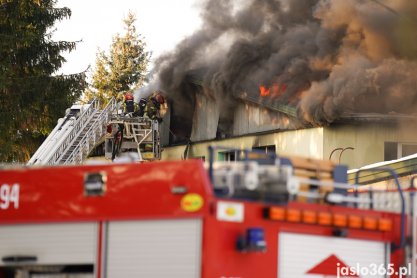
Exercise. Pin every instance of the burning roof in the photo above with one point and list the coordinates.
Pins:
(316, 60)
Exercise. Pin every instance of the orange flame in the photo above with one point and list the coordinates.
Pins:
(274, 91)
(264, 92)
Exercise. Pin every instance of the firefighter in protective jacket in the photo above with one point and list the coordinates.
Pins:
(129, 104)
(155, 103)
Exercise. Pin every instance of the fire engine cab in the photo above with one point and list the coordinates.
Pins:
(268, 217)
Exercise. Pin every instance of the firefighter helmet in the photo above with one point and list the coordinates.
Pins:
(160, 98)
(128, 96)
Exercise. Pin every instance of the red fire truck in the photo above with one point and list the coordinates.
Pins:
(176, 219)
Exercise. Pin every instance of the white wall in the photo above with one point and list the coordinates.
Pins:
(367, 139)
(303, 142)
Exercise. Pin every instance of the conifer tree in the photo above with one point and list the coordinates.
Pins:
(33, 96)
(123, 68)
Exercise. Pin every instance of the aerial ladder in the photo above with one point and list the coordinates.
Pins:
(86, 126)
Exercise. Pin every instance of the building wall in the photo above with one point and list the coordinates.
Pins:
(206, 119)
(164, 127)
(366, 139)
(303, 142)
(251, 118)
(247, 118)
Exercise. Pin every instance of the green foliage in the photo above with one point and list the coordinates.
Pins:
(32, 97)
(123, 68)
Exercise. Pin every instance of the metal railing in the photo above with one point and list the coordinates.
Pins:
(76, 130)
(137, 132)
(89, 139)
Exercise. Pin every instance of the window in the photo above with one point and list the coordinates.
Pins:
(407, 149)
(227, 156)
(268, 157)
(390, 151)
(240, 155)
(395, 150)
(269, 149)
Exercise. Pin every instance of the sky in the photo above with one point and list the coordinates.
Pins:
(162, 23)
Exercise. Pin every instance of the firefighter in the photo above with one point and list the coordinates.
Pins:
(129, 104)
(153, 107)
(141, 107)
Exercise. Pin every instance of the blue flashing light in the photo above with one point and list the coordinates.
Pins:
(256, 239)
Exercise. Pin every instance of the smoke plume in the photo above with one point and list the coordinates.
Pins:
(333, 56)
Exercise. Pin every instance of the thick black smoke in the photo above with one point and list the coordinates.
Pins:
(333, 56)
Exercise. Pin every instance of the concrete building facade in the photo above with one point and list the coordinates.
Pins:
(355, 139)
(355, 144)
